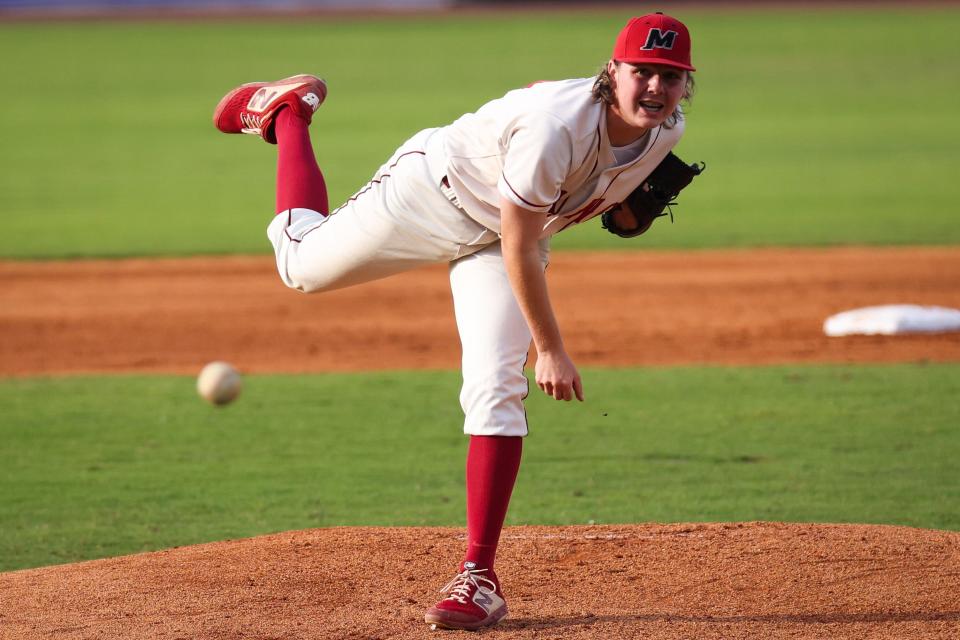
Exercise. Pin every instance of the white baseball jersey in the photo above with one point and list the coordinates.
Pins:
(436, 200)
(546, 149)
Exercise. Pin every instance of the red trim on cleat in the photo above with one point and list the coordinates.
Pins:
(252, 107)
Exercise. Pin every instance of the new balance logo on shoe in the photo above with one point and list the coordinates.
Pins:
(261, 100)
(264, 98)
(482, 600)
(312, 100)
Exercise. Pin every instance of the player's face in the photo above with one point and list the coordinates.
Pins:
(646, 94)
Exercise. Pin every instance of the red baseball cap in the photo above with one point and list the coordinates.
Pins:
(654, 38)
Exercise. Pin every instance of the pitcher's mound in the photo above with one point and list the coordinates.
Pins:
(752, 580)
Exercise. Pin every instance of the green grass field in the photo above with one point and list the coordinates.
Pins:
(102, 466)
(818, 128)
(815, 131)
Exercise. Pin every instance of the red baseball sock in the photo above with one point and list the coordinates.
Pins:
(492, 465)
(299, 181)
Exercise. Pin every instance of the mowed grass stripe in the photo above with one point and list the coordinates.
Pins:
(101, 466)
(817, 127)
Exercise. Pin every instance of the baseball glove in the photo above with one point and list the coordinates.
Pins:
(658, 192)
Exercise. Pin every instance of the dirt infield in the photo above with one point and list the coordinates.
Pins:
(622, 309)
(647, 581)
(755, 580)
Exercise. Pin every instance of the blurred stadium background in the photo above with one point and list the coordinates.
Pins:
(67, 7)
(817, 132)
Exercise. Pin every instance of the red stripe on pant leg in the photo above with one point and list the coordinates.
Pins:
(300, 183)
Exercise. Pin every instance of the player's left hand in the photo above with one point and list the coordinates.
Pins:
(558, 377)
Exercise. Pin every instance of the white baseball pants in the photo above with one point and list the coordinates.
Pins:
(401, 220)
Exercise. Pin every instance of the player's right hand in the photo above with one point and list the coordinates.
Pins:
(557, 376)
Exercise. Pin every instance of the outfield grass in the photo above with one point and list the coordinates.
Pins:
(817, 127)
(102, 466)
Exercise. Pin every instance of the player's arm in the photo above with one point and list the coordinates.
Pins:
(520, 231)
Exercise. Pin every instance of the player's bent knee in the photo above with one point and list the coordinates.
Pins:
(291, 276)
(286, 233)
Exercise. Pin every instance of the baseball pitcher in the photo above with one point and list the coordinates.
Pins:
(485, 194)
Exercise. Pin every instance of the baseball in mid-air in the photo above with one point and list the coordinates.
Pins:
(219, 383)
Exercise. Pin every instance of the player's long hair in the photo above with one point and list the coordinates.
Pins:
(603, 92)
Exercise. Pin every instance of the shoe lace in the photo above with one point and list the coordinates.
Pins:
(251, 122)
(460, 587)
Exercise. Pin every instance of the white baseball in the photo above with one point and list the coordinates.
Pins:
(219, 383)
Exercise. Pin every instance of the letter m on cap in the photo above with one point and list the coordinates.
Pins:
(657, 39)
